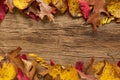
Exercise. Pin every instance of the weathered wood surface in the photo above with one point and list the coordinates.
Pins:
(65, 41)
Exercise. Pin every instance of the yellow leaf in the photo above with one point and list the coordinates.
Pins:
(106, 20)
(47, 1)
(1, 57)
(60, 5)
(113, 8)
(22, 4)
(39, 60)
(74, 8)
(7, 71)
(68, 73)
(109, 72)
(118, 20)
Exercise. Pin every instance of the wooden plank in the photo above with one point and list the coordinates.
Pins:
(65, 41)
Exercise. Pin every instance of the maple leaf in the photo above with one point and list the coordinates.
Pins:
(40, 9)
(3, 9)
(84, 6)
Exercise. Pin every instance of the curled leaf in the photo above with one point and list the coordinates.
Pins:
(21, 75)
(3, 9)
(38, 59)
(106, 20)
(84, 6)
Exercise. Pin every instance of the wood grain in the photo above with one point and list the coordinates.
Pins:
(65, 41)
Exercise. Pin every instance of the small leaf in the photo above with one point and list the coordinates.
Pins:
(52, 63)
(79, 65)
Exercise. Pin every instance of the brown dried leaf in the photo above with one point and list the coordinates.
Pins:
(14, 57)
(99, 7)
(10, 5)
(89, 67)
(94, 19)
(45, 10)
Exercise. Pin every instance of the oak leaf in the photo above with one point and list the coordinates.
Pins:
(98, 8)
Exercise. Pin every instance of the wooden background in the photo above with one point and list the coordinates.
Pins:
(65, 41)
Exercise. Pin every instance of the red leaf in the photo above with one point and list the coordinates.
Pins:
(33, 16)
(3, 9)
(21, 75)
(84, 8)
(52, 63)
(79, 65)
(23, 56)
(118, 63)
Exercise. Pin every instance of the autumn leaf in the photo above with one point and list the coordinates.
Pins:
(109, 71)
(79, 65)
(64, 73)
(22, 4)
(38, 59)
(114, 9)
(10, 4)
(47, 1)
(94, 19)
(73, 8)
(99, 7)
(7, 71)
(106, 20)
(52, 63)
(45, 10)
(69, 73)
(60, 5)
(23, 56)
(40, 9)
(3, 9)
(21, 75)
(14, 57)
(84, 6)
